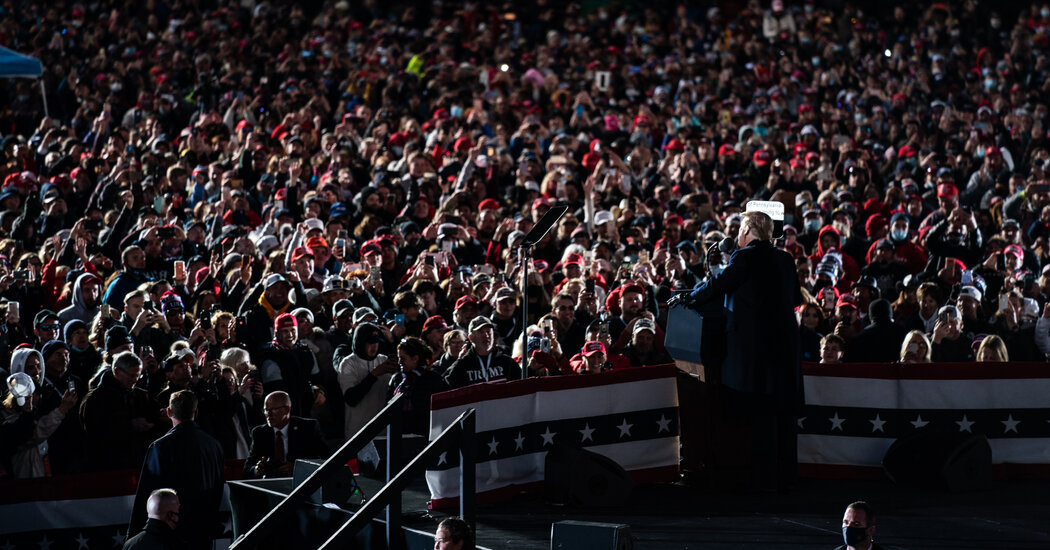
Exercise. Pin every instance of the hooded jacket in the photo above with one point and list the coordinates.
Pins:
(850, 269)
(78, 309)
(83, 363)
(364, 397)
(28, 460)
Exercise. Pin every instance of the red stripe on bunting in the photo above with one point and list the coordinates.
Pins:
(91, 485)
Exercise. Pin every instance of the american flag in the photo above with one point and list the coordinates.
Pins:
(630, 416)
(78, 512)
(854, 412)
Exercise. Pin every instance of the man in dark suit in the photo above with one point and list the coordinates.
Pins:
(191, 462)
(159, 533)
(762, 370)
(283, 439)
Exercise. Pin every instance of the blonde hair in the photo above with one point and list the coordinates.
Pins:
(920, 337)
(992, 350)
(761, 223)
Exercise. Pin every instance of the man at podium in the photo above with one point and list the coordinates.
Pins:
(762, 370)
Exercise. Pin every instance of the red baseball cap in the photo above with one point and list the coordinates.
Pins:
(673, 219)
(434, 322)
(761, 158)
(592, 347)
(1014, 249)
(464, 301)
(726, 149)
(574, 258)
(370, 247)
(847, 300)
(674, 145)
(947, 190)
(301, 252)
(285, 320)
(489, 204)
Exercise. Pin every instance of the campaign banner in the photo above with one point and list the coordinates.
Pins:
(629, 416)
(80, 512)
(854, 412)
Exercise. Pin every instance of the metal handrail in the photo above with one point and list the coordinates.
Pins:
(389, 417)
(462, 429)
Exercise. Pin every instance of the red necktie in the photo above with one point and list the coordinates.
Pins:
(278, 452)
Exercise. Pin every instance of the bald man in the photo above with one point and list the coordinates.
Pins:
(162, 510)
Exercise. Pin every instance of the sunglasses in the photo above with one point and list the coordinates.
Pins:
(50, 327)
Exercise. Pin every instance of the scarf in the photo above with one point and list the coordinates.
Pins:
(272, 311)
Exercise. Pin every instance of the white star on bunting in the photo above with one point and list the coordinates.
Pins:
(44, 544)
(1010, 425)
(519, 442)
(876, 424)
(443, 458)
(7, 546)
(663, 425)
(965, 424)
(800, 420)
(919, 422)
(587, 432)
(836, 422)
(118, 539)
(548, 436)
(625, 428)
(492, 446)
(81, 541)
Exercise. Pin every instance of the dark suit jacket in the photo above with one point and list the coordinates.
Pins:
(760, 289)
(304, 441)
(191, 462)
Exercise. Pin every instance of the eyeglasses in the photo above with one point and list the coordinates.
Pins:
(50, 327)
(271, 410)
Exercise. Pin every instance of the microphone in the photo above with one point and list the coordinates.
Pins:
(727, 245)
(678, 298)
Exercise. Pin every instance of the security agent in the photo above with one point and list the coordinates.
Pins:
(858, 528)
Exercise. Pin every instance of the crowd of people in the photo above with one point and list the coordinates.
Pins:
(242, 198)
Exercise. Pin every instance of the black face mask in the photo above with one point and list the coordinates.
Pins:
(535, 291)
(854, 535)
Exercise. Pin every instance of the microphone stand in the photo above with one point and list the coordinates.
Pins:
(543, 225)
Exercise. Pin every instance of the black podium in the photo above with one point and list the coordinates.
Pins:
(696, 339)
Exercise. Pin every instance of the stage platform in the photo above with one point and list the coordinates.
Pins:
(1012, 514)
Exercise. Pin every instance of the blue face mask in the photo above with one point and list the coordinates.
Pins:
(812, 226)
(899, 235)
(456, 111)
